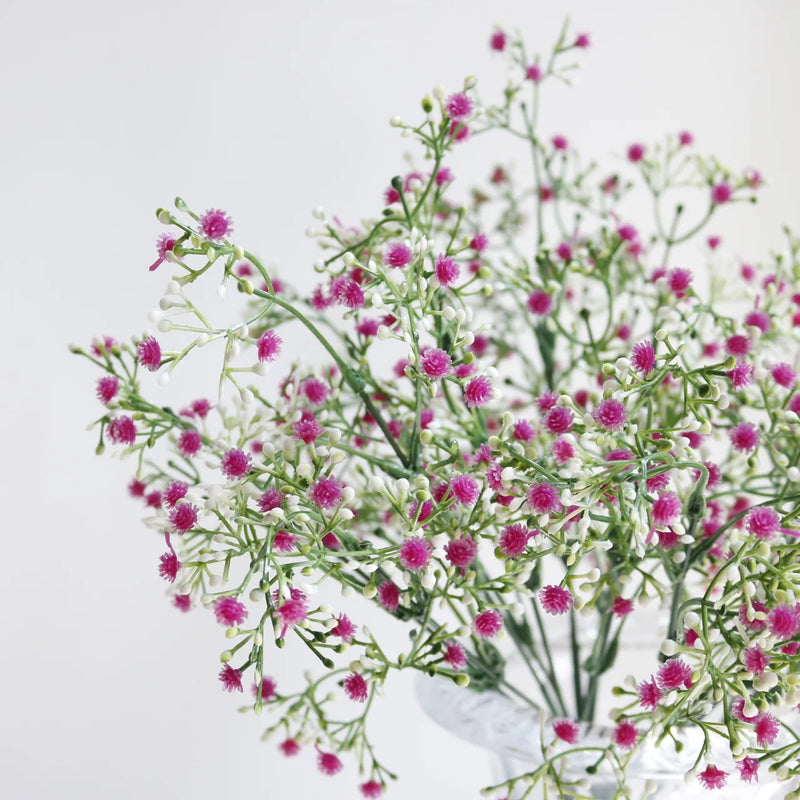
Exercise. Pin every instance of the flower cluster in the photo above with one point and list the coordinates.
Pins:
(574, 428)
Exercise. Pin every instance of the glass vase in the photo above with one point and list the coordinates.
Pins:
(513, 733)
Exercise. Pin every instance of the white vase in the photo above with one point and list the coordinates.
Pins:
(513, 734)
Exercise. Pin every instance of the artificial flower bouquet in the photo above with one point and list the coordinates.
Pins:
(522, 407)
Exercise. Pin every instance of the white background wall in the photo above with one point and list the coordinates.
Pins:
(265, 109)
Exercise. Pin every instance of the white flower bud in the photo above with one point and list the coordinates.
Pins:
(669, 647)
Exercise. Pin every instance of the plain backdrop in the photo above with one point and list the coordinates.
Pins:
(265, 109)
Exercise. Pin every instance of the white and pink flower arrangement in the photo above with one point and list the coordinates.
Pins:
(522, 409)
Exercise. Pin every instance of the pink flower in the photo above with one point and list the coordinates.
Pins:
(556, 599)
(744, 436)
(610, 414)
(625, 734)
(200, 408)
(355, 687)
(465, 489)
(712, 777)
(269, 346)
(533, 73)
(347, 292)
(268, 687)
(183, 602)
(319, 300)
(235, 464)
(560, 143)
(461, 552)
(566, 730)
(737, 345)
(766, 728)
(328, 763)
(315, 390)
(635, 153)
(289, 747)
(478, 392)
(740, 375)
(454, 655)
(498, 41)
(514, 540)
(458, 106)
(678, 281)
(435, 363)
(673, 674)
(582, 40)
(122, 430)
(649, 694)
(643, 358)
(371, 789)
(389, 596)
(753, 624)
(562, 450)
(183, 517)
(559, 420)
(488, 623)
(104, 346)
(540, 303)
(307, 428)
(169, 566)
(344, 628)
(107, 388)
(174, 492)
(755, 660)
(666, 509)
(479, 242)
(748, 768)
(621, 607)
(447, 271)
(229, 611)
(164, 244)
(272, 498)
(325, 493)
(397, 256)
(783, 375)
(153, 499)
(763, 522)
(230, 678)
(149, 353)
(459, 130)
(544, 498)
(784, 622)
(215, 224)
(284, 542)
(721, 193)
(523, 431)
(444, 175)
(292, 611)
(758, 319)
(415, 553)
(685, 138)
